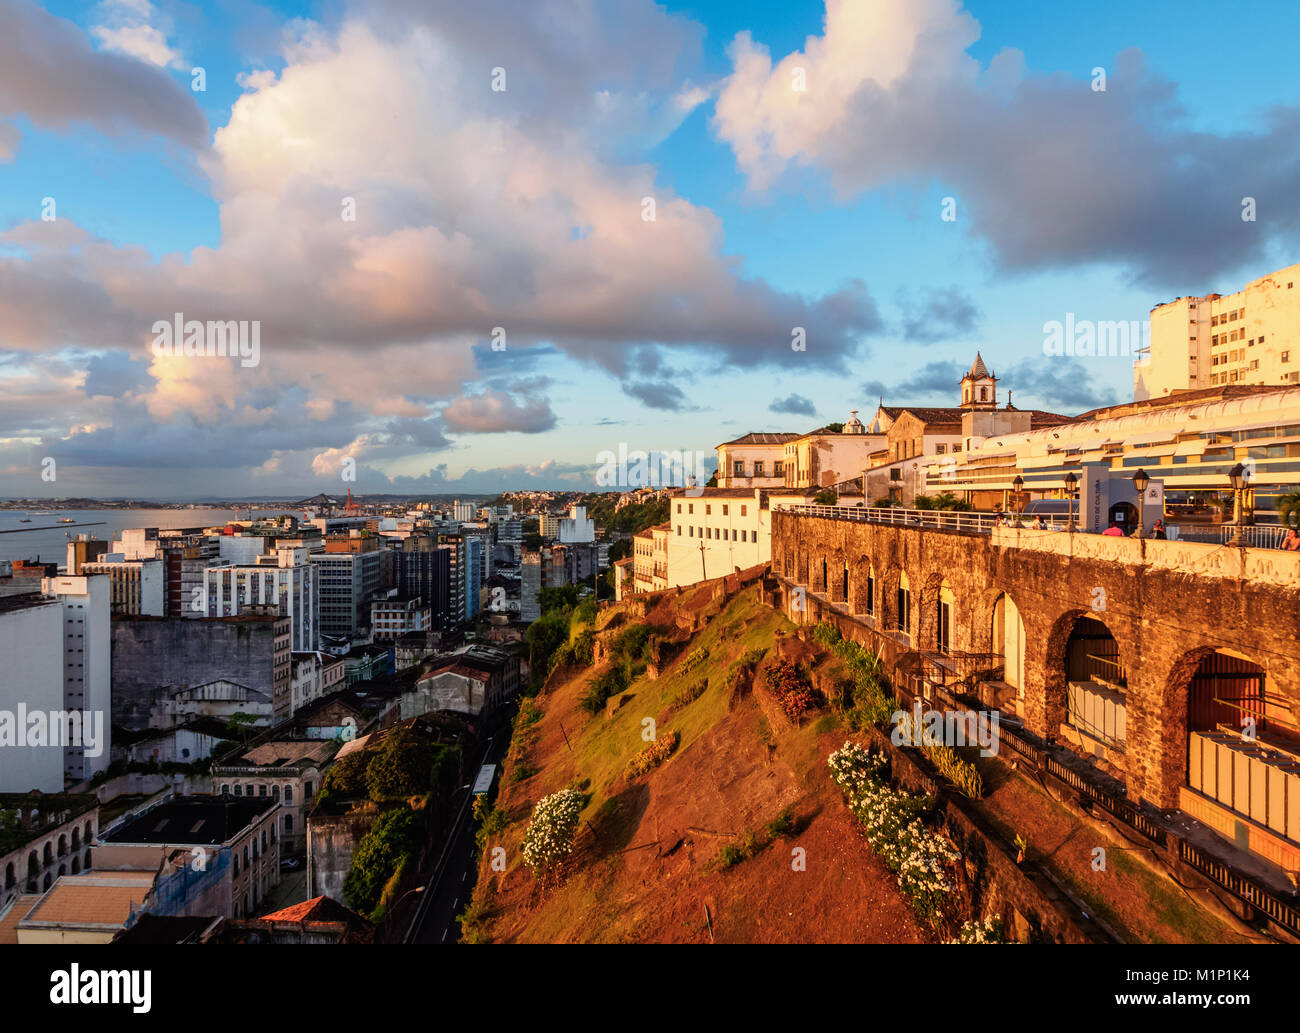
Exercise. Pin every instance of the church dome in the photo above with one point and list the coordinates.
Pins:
(854, 426)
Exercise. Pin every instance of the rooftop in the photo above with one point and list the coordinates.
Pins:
(102, 898)
(762, 438)
(192, 819)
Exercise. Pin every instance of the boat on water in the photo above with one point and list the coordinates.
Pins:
(24, 520)
(66, 520)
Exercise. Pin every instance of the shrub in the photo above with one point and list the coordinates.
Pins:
(990, 930)
(892, 821)
(653, 755)
(872, 702)
(606, 684)
(693, 659)
(551, 832)
(782, 824)
(961, 773)
(791, 688)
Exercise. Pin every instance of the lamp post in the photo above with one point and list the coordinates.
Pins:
(1237, 477)
(1140, 482)
(1017, 499)
(1070, 481)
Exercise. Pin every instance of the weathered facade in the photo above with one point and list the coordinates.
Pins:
(1186, 637)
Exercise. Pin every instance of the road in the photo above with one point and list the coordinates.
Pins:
(453, 883)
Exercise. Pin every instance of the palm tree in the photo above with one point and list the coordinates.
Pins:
(1288, 509)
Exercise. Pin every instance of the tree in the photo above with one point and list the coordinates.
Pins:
(1288, 509)
(712, 482)
(825, 497)
(401, 768)
(392, 838)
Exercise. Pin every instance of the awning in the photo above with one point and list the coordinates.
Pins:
(1190, 448)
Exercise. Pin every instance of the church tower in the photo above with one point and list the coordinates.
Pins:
(979, 387)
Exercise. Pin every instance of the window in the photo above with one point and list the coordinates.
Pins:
(679, 530)
(940, 449)
(225, 788)
(288, 795)
(742, 510)
(690, 532)
(708, 511)
(738, 468)
(984, 394)
(758, 468)
(724, 510)
(690, 507)
(1286, 356)
(956, 446)
(288, 824)
(679, 507)
(778, 468)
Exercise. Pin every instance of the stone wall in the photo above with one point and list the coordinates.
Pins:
(1167, 604)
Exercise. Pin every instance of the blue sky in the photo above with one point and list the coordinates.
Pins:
(671, 335)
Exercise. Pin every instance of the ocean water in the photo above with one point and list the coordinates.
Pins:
(46, 539)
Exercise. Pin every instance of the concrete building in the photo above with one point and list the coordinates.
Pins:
(715, 532)
(287, 770)
(136, 587)
(348, 579)
(477, 681)
(89, 908)
(1251, 336)
(46, 835)
(285, 580)
(824, 458)
(1188, 442)
(87, 671)
(753, 461)
(214, 855)
(576, 528)
(222, 700)
(155, 656)
(83, 549)
(393, 618)
(424, 571)
(314, 675)
(32, 644)
(464, 512)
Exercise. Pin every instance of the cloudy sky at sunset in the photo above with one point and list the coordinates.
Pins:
(525, 208)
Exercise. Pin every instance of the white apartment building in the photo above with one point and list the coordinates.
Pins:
(576, 528)
(87, 669)
(31, 641)
(136, 587)
(1249, 337)
(465, 512)
(715, 530)
(285, 580)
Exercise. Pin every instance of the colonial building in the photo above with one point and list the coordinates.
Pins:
(287, 770)
(755, 460)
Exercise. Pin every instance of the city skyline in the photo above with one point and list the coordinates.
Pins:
(378, 261)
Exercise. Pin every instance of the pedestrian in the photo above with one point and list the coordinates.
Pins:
(1159, 531)
(1291, 543)
(1113, 531)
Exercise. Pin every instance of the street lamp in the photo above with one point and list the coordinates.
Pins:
(1140, 482)
(1070, 481)
(1239, 479)
(1016, 501)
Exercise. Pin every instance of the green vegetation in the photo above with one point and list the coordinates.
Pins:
(825, 497)
(630, 519)
(552, 830)
(870, 701)
(752, 843)
(947, 500)
(629, 654)
(1288, 509)
(653, 755)
(390, 842)
(405, 765)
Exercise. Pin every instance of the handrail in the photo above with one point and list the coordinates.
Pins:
(938, 519)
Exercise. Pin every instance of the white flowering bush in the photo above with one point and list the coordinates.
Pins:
(990, 930)
(891, 820)
(549, 839)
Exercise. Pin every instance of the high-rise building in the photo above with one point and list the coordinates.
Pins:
(286, 580)
(136, 587)
(348, 580)
(87, 670)
(424, 572)
(1249, 337)
(31, 641)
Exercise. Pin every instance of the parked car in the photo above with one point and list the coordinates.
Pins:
(290, 864)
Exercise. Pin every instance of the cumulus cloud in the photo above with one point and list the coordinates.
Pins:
(1064, 384)
(50, 74)
(1048, 171)
(937, 314)
(135, 28)
(794, 405)
(657, 395)
(494, 411)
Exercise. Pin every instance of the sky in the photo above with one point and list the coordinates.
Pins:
(484, 243)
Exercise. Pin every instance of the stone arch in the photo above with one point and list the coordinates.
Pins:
(903, 603)
(47, 856)
(63, 844)
(1081, 648)
(10, 876)
(1188, 706)
(76, 839)
(1005, 628)
(864, 587)
(936, 614)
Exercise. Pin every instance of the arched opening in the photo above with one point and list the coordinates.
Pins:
(49, 853)
(63, 845)
(1242, 741)
(871, 590)
(1125, 514)
(76, 866)
(1096, 683)
(1008, 638)
(10, 876)
(903, 604)
(945, 606)
(49, 879)
(89, 835)
(820, 585)
(76, 839)
(842, 586)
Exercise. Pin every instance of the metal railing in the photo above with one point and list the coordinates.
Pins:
(938, 519)
(1253, 536)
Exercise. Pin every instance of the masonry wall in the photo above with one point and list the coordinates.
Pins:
(152, 657)
(1167, 604)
